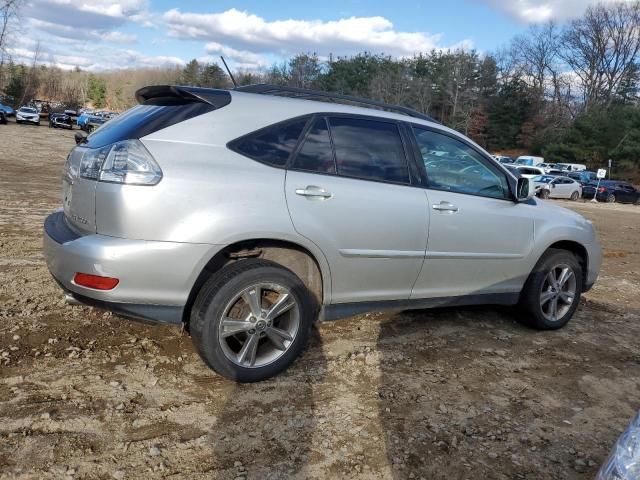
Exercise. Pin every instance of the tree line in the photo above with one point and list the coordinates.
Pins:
(568, 92)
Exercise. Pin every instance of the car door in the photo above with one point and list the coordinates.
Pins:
(560, 188)
(349, 190)
(479, 238)
(628, 193)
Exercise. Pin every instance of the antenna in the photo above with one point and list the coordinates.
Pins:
(235, 85)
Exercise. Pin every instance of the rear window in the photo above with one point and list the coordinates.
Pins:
(271, 145)
(146, 119)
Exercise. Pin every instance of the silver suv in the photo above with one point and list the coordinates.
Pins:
(247, 216)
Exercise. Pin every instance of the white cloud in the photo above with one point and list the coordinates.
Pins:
(242, 59)
(243, 31)
(84, 14)
(537, 11)
(75, 33)
(88, 56)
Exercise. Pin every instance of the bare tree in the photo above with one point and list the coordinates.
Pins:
(9, 13)
(601, 48)
(31, 84)
(537, 56)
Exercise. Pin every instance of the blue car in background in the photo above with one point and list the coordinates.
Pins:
(8, 111)
(89, 121)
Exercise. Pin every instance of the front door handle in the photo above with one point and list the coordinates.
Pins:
(445, 206)
(312, 191)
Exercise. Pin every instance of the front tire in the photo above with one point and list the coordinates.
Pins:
(251, 320)
(552, 292)
(611, 198)
(544, 194)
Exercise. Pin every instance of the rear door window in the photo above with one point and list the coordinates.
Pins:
(272, 145)
(316, 154)
(369, 150)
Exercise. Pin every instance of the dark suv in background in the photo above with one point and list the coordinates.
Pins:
(584, 177)
(612, 191)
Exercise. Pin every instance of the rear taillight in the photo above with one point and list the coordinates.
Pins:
(95, 281)
(127, 162)
(601, 189)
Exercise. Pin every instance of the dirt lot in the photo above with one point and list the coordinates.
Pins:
(457, 393)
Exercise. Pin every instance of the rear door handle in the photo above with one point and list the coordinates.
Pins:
(312, 191)
(445, 206)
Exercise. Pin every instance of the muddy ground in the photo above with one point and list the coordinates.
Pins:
(457, 393)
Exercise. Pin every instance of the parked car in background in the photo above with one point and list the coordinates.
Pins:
(89, 122)
(547, 166)
(583, 176)
(249, 216)
(571, 167)
(61, 120)
(3, 117)
(529, 172)
(503, 159)
(529, 160)
(612, 191)
(8, 111)
(28, 115)
(548, 186)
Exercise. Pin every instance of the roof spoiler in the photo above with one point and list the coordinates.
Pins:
(154, 93)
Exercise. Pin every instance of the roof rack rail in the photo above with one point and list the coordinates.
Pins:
(295, 92)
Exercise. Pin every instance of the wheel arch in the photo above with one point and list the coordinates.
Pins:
(577, 249)
(311, 267)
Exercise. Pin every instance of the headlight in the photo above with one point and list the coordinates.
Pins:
(624, 461)
(127, 162)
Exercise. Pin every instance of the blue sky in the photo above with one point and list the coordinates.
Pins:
(108, 34)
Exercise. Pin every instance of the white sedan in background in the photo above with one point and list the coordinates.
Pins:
(549, 186)
(525, 171)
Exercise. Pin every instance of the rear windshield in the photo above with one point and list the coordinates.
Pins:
(143, 120)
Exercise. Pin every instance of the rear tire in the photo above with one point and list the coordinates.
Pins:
(574, 196)
(247, 340)
(552, 292)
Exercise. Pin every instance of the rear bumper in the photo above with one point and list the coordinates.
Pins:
(156, 278)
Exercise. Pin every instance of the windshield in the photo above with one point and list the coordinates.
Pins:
(524, 161)
(543, 178)
(28, 110)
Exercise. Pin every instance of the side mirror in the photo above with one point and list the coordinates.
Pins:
(553, 185)
(524, 189)
(80, 138)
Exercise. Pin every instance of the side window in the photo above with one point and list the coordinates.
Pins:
(316, 154)
(271, 145)
(452, 165)
(369, 149)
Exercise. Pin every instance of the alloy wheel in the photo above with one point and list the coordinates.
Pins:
(558, 292)
(259, 325)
